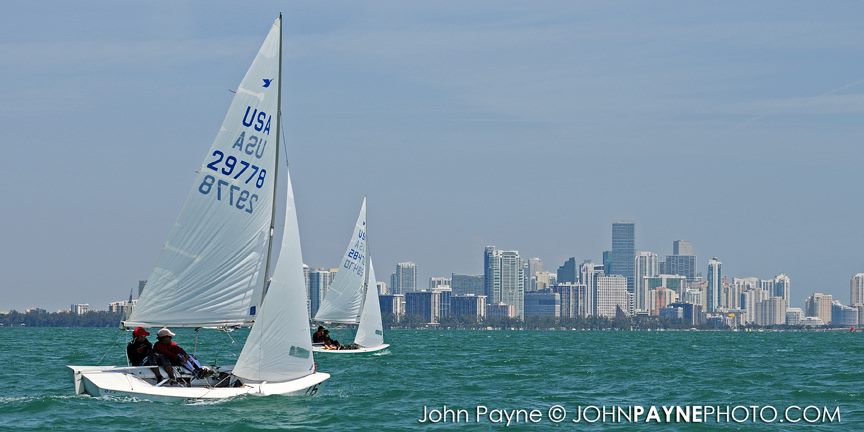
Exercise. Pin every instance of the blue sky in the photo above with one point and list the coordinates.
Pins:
(528, 125)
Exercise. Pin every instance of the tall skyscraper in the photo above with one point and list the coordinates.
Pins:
(569, 271)
(588, 274)
(319, 282)
(491, 273)
(647, 265)
(714, 283)
(781, 287)
(623, 251)
(856, 290)
(405, 278)
(682, 261)
(512, 289)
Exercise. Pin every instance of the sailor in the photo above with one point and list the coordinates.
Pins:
(140, 353)
(319, 335)
(176, 355)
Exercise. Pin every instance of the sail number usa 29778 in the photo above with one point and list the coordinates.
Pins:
(241, 172)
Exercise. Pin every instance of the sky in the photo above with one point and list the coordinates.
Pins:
(528, 125)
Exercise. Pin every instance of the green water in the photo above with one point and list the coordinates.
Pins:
(460, 369)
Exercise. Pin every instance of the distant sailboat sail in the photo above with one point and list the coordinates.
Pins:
(344, 298)
(210, 272)
(370, 332)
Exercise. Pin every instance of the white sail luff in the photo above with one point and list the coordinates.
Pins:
(211, 269)
(344, 298)
(370, 332)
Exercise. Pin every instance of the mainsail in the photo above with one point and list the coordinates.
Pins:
(344, 298)
(211, 270)
(370, 332)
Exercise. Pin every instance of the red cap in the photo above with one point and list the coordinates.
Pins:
(139, 331)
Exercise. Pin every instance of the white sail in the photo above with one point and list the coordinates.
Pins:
(344, 297)
(279, 346)
(370, 332)
(211, 269)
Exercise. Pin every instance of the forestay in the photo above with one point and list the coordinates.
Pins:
(210, 271)
(370, 332)
(344, 297)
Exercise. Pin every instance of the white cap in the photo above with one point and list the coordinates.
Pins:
(165, 332)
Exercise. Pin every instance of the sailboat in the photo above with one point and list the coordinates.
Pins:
(352, 297)
(218, 268)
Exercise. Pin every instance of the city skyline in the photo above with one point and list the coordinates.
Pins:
(529, 126)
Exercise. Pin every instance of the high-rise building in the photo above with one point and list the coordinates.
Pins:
(572, 296)
(646, 265)
(79, 309)
(607, 262)
(569, 271)
(466, 284)
(404, 280)
(491, 274)
(382, 287)
(693, 296)
(469, 307)
(623, 252)
(658, 298)
(544, 303)
(534, 266)
(504, 278)
(771, 311)
(319, 282)
(682, 261)
(444, 294)
(500, 311)
(714, 283)
(392, 304)
(423, 304)
(611, 295)
(782, 285)
(677, 283)
(682, 247)
(856, 289)
(544, 280)
(750, 300)
(588, 274)
(819, 305)
(436, 281)
(842, 315)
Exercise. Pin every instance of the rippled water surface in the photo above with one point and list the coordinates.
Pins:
(461, 369)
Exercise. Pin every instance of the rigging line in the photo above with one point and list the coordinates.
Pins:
(113, 344)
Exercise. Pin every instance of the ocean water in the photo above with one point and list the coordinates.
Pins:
(460, 369)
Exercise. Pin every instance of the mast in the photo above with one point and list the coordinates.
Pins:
(267, 275)
(366, 267)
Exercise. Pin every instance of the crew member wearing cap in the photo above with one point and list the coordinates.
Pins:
(166, 347)
(140, 351)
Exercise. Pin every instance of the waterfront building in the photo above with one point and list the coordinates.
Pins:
(856, 289)
(500, 311)
(463, 284)
(468, 306)
(782, 285)
(714, 283)
(404, 280)
(319, 283)
(819, 305)
(436, 281)
(623, 252)
(794, 316)
(646, 265)
(568, 272)
(392, 304)
(659, 298)
(504, 278)
(79, 308)
(544, 303)
(842, 315)
(611, 294)
(771, 311)
(422, 304)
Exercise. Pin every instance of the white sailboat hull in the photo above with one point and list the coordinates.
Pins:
(360, 350)
(139, 383)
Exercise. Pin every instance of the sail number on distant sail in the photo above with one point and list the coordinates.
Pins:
(355, 260)
(241, 174)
